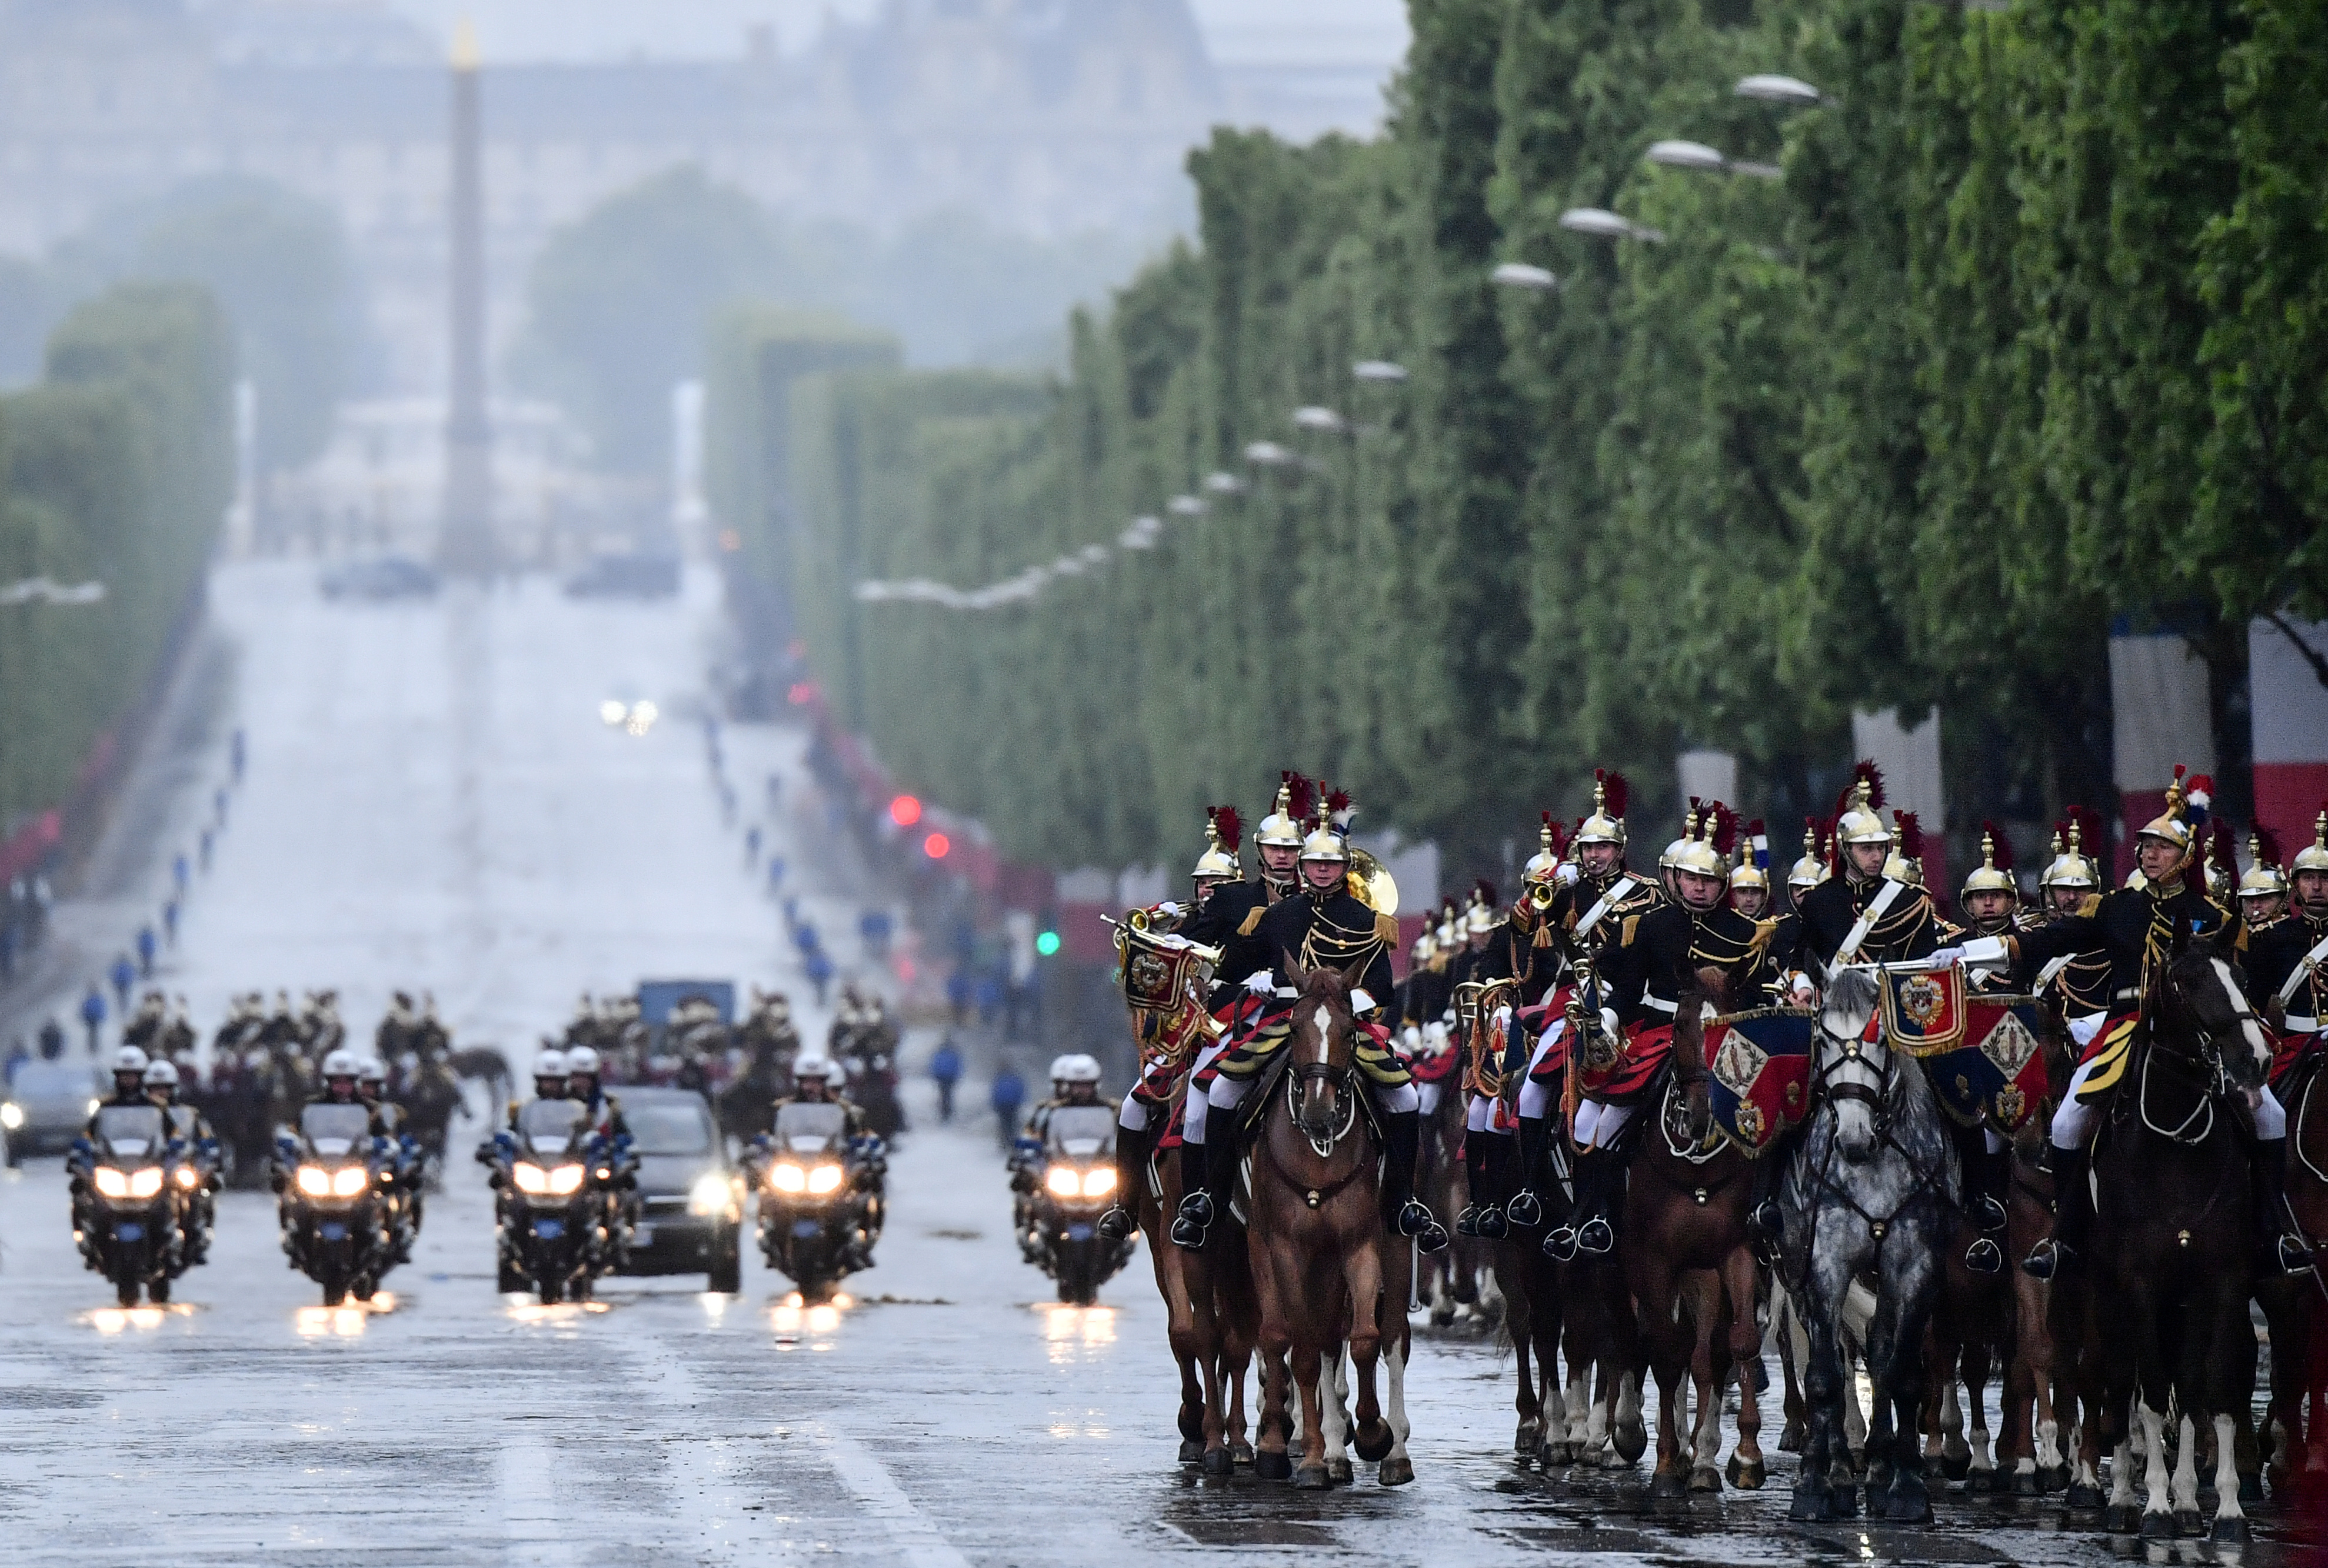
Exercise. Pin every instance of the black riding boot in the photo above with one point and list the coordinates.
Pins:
(1475, 1170)
(1401, 1132)
(1976, 1170)
(2282, 1244)
(1132, 1148)
(2073, 1215)
(1526, 1210)
(1205, 1185)
(1590, 1177)
(1492, 1223)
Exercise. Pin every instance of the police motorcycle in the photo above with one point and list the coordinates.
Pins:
(331, 1172)
(1073, 1167)
(200, 1170)
(821, 1207)
(560, 1222)
(126, 1201)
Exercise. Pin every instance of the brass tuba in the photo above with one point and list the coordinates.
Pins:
(1371, 880)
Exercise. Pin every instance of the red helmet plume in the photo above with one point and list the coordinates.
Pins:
(1229, 826)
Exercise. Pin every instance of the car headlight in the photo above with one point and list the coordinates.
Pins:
(350, 1182)
(96, 1106)
(111, 1183)
(710, 1195)
(788, 1179)
(314, 1181)
(565, 1180)
(12, 1115)
(1099, 1183)
(147, 1183)
(1064, 1183)
(528, 1178)
(824, 1179)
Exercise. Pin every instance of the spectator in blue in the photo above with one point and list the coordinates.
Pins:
(235, 754)
(958, 995)
(145, 947)
(751, 844)
(1009, 1095)
(990, 997)
(170, 922)
(19, 1053)
(124, 974)
(219, 800)
(52, 1039)
(206, 849)
(873, 927)
(181, 871)
(946, 1066)
(776, 871)
(8, 941)
(92, 1010)
(804, 936)
(820, 972)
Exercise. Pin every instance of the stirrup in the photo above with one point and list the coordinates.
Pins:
(1560, 1243)
(1468, 1222)
(2295, 1256)
(1983, 1256)
(1197, 1209)
(1526, 1210)
(1767, 1220)
(1414, 1218)
(1493, 1225)
(1187, 1233)
(2045, 1259)
(1434, 1239)
(1986, 1213)
(1596, 1237)
(1116, 1223)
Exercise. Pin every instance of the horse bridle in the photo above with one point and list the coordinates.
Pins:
(2210, 1061)
(1877, 1097)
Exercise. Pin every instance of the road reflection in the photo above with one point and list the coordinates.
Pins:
(112, 1321)
(344, 1321)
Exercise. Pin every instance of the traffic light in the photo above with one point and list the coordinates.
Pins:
(936, 845)
(905, 811)
(1046, 943)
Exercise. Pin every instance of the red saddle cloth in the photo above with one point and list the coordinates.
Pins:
(1627, 1080)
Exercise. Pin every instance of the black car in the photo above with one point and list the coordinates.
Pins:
(692, 1198)
(386, 577)
(638, 576)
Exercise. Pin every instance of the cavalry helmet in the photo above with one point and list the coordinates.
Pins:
(1861, 819)
(1543, 866)
(1607, 822)
(1811, 870)
(1753, 869)
(2313, 856)
(1994, 872)
(1281, 828)
(1706, 835)
(2185, 813)
(2263, 877)
(2069, 867)
(1329, 831)
(1222, 831)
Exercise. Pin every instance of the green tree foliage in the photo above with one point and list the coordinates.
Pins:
(116, 469)
(2026, 333)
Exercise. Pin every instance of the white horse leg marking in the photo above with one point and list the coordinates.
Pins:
(2227, 1471)
(1579, 1426)
(1948, 1441)
(2155, 1478)
(1984, 1454)
(2184, 1491)
(1330, 1415)
(1706, 1447)
(1394, 1358)
(2049, 1444)
(1627, 1429)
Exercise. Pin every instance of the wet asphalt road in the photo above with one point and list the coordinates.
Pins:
(433, 802)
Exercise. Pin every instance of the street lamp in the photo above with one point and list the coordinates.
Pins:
(1378, 371)
(1602, 224)
(1313, 417)
(1520, 275)
(1223, 483)
(48, 590)
(1269, 454)
(1185, 507)
(1778, 89)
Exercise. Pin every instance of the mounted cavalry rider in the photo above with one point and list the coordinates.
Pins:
(1484, 959)
(1523, 948)
(1328, 926)
(2136, 929)
(2287, 960)
(1749, 879)
(2263, 890)
(1991, 901)
(1640, 978)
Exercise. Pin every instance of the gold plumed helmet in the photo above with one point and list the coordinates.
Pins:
(1220, 862)
(2185, 814)
(2313, 856)
(1811, 870)
(1753, 869)
(1426, 948)
(1329, 831)
(1282, 827)
(1905, 864)
(1859, 816)
(1451, 924)
(1607, 822)
(2263, 877)
(1994, 872)
(1707, 832)
(1481, 917)
(1543, 866)
(2069, 867)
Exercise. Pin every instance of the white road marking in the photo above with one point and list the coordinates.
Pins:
(535, 1533)
(872, 1485)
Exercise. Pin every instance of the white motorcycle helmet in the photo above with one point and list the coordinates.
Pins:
(806, 1066)
(581, 1059)
(161, 1074)
(342, 1063)
(550, 1064)
(1080, 1069)
(129, 1059)
(372, 1072)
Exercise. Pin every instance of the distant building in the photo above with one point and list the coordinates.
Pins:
(1044, 115)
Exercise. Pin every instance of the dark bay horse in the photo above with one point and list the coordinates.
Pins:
(1315, 1233)
(1689, 1260)
(2174, 1235)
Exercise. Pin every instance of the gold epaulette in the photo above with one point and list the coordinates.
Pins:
(1251, 920)
(1632, 924)
(1764, 929)
(1387, 928)
(2090, 905)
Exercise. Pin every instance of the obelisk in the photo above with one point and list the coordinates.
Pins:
(464, 545)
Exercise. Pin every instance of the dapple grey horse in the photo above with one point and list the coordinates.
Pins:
(1871, 1190)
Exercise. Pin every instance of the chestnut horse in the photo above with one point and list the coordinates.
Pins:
(1321, 1257)
(1689, 1260)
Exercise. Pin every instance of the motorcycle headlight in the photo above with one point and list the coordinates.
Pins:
(788, 1179)
(1064, 1183)
(1099, 1183)
(314, 1181)
(349, 1182)
(565, 1181)
(708, 1195)
(824, 1179)
(528, 1178)
(111, 1183)
(12, 1115)
(147, 1183)
(187, 1178)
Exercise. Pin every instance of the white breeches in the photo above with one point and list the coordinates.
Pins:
(1426, 1098)
(1480, 1115)
(2074, 1122)
(1536, 1097)
(1597, 1125)
(1133, 1116)
(1192, 1110)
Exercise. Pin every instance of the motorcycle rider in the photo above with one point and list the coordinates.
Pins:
(344, 1086)
(402, 1180)
(1074, 1081)
(549, 1081)
(188, 1125)
(129, 1066)
(583, 1073)
(816, 1081)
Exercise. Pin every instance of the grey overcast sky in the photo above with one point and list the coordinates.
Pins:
(1341, 32)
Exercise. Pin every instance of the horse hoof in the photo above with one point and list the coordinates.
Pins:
(1911, 1506)
(1529, 1438)
(2190, 1521)
(2052, 1478)
(1241, 1452)
(2122, 1519)
(2231, 1531)
(1395, 1472)
(1957, 1470)
(2157, 1527)
(2083, 1499)
(1443, 1317)
(1790, 1437)
(1748, 1476)
(1272, 1467)
(1191, 1452)
(1377, 1447)
(1311, 1478)
(1706, 1478)
(2026, 1483)
(1339, 1472)
(1980, 1482)
(1217, 1461)
(1667, 1484)
(1811, 1506)
(1631, 1441)
(1558, 1455)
